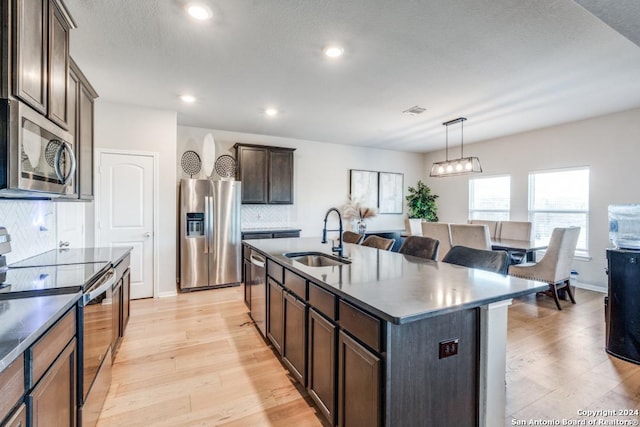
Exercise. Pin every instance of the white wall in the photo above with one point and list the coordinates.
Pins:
(321, 176)
(135, 128)
(608, 145)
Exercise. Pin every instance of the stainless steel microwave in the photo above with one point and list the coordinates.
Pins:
(36, 156)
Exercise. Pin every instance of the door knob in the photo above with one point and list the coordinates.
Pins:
(147, 234)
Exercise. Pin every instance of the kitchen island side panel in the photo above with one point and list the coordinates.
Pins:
(423, 389)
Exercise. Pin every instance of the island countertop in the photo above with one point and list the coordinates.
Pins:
(398, 288)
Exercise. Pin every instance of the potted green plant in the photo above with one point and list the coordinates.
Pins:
(421, 203)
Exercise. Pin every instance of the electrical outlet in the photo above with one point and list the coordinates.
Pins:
(448, 348)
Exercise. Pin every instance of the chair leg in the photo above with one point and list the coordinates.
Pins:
(570, 292)
(554, 294)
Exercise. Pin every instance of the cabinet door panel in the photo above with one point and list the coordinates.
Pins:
(30, 45)
(58, 67)
(84, 140)
(275, 321)
(53, 401)
(295, 327)
(322, 364)
(280, 177)
(253, 174)
(246, 281)
(358, 384)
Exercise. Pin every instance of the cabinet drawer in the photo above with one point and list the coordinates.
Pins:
(295, 284)
(11, 385)
(322, 300)
(46, 349)
(360, 324)
(250, 236)
(276, 271)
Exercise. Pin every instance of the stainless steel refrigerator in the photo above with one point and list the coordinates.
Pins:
(210, 237)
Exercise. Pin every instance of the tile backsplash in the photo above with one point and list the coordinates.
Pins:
(32, 226)
(265, 216)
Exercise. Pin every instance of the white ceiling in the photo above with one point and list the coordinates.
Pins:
(507, 65)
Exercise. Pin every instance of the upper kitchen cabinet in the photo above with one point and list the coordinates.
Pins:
(39, 32)
(266, 174)
(81, 105)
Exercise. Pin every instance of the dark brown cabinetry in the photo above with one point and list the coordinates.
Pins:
(266, 174)
(294, 345)
(18, 419)
(41, 52)
(270, 234)
(81, 104)
(53, 401)
(11, 388)
(246, 275)
(322, 364)
(275, 318)
(121, 294)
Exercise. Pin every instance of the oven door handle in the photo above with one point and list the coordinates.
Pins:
(105, 284)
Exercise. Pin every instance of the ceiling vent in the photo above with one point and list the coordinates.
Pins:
(415, 110)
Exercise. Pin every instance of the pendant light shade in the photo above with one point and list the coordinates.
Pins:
(460, 166)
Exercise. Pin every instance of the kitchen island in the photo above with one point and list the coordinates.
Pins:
(387, 339)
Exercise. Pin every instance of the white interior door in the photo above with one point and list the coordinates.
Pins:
(125, 213)
(70, 224)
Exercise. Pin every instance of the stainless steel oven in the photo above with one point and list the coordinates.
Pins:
(96, 329)
(36, 156)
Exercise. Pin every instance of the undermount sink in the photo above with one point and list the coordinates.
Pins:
(316, 259)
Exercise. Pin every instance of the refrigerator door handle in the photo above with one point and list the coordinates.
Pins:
(211, 227)
(206, 224)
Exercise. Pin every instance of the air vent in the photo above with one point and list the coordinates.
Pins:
(415, 110)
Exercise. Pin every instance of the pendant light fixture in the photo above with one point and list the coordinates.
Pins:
(460, 166)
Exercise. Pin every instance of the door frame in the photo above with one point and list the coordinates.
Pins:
(156, 202)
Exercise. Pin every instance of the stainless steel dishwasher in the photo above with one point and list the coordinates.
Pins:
(257, 282)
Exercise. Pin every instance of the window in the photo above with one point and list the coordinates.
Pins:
(489, 198)
(559, 199)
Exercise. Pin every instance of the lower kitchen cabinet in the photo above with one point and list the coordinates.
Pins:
(121, 297)
(275, 319)
(126, 300)
(359, 372)
(321, 380)
(116, 306)
(18, 419)
(294, 345)
(53, 401)
(246, 279)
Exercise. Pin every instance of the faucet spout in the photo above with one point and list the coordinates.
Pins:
(337, 249)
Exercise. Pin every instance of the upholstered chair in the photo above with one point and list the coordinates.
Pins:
(555, 266)
(438, 231)
(470, 235)
(495, 261)
(494, 226)
(420, 246)
(413, 228)
(378, 242)
(516, 230)
(351, 237)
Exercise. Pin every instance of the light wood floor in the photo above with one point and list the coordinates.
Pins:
(197, 360)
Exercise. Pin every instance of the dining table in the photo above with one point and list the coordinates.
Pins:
(528, 247)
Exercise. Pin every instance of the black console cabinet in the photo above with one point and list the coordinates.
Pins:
(623, 329)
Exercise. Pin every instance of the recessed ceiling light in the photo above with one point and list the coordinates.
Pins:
(271, 112)
(199, 11)
(333, 51)
(189, 99)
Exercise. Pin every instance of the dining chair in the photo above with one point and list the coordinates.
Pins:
(420, 246)
(413, 228)
(378, 242)
(438, 231)
(495, 261)
(515, 230)
(494, 226)
(555, 266)
(470, 235)
(351, 237)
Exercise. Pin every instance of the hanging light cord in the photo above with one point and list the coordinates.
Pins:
(462, 139)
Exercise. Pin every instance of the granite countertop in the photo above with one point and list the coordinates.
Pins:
(67, 256)
(23, 320)
(398, 288)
